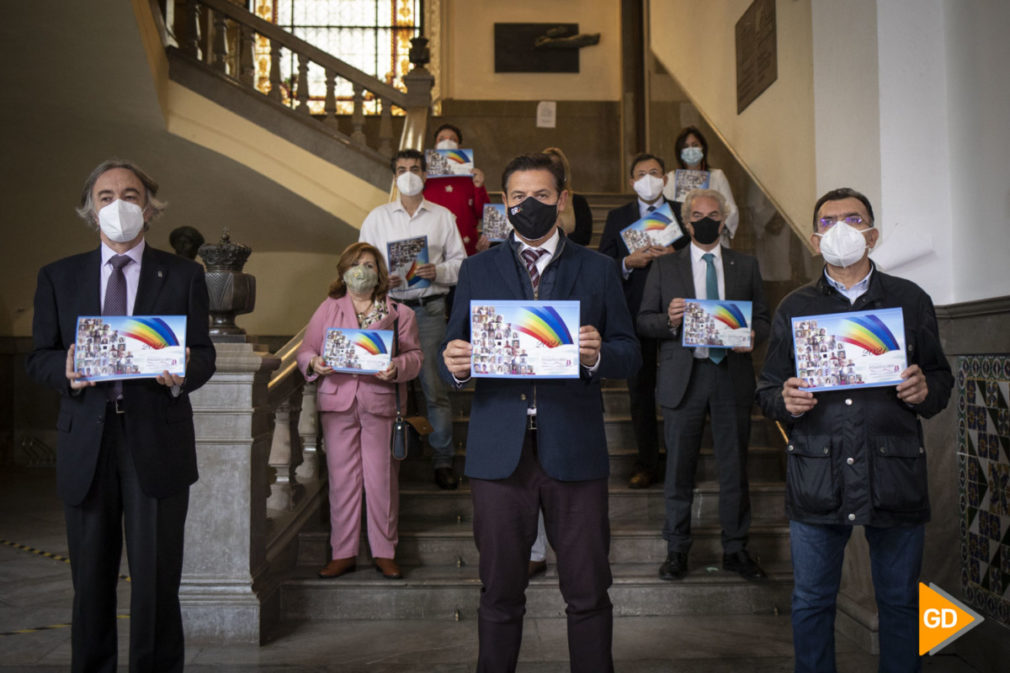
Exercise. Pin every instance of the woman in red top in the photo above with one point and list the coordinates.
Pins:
(463, 195)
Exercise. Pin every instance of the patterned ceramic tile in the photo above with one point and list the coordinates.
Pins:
(983, 418)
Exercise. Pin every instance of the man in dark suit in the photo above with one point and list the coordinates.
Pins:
(648, 177)
(126, 454)
(694, 382)
(541, 442)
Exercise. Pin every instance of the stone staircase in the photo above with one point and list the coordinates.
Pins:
(439, 559)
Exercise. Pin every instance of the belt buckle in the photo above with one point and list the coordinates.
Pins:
(119, 409)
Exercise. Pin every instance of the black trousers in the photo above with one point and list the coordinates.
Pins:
(154, 530)
(710, 391)
(578, 528)
(642, 395)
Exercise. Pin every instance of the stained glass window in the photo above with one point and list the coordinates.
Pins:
(372, 35)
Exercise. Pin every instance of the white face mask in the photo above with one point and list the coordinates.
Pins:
(409, 184)
(121, 221)
(648, 187)
(447, 144)
(843, 245)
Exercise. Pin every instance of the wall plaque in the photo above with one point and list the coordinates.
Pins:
(534, 47)
(756, 52)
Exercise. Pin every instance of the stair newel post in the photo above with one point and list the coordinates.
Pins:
(303, 84)
(246, 66)
(358, 118)
(186, 26)
(275, 71)
(330, 105)
(219, 40)
(386, 128)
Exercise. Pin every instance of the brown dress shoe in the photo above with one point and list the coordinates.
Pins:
(388, 568)
(641, 479)
(537, 568)
(338, 567)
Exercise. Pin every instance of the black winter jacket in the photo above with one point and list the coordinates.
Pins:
(858, 456)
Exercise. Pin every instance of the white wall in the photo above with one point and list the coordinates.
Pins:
(469, 51)
(846, 111)
(978, 107)
(774, 137)
(915, 205)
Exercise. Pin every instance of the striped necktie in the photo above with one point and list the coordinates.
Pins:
(531, 255)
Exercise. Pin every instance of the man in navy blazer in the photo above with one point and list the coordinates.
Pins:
(648, 178)
(126, 453)
(534, 443)
(694, 382)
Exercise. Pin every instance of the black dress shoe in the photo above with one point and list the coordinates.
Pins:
(674, 567)
(741, 562)
(537, 568)
(446, 478)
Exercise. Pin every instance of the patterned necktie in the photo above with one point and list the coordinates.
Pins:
(531, 255)
(712, 292)
(115, 304)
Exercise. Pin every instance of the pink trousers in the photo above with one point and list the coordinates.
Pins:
(357, 455)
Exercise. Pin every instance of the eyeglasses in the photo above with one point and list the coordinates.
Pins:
(828, 222)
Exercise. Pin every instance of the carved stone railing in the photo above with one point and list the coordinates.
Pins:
(222, 35)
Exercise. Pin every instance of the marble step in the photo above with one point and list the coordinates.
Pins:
(437, 543)
(453, 594)
(764, 463)
(767, 499)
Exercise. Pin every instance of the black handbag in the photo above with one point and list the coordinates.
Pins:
(406, 438)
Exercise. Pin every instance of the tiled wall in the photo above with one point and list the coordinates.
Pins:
(983, 417)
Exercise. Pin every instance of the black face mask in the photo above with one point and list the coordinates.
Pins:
(706, 231)
(533, 219)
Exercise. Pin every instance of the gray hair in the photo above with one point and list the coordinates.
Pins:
(86, 210)
(685, 208)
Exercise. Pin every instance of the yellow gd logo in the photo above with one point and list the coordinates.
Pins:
(942, 619)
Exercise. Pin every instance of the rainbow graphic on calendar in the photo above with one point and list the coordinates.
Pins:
(153, 331)
(869, 333)
(113, 348)
(371, 342)
(730, 315)
(857, 349)
(404, 257)
(717, 323)
(519, 339)
(545, 325)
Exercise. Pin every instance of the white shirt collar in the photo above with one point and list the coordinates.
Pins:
(696, 253)
(856, 291)
(136, 253)
(548, 246)
(424, 205)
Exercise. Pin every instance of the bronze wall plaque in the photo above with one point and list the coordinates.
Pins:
(756, 52)
(516, 47)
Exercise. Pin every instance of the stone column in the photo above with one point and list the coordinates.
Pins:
(225, 596)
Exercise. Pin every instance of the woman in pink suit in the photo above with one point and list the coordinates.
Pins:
(357, 410)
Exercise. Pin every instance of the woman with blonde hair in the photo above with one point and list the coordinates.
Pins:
(576, 219)
(357, 410)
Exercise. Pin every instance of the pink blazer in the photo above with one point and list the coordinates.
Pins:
(338, 390)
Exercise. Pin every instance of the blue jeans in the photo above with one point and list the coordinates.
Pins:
(431, 330)
(895, 562)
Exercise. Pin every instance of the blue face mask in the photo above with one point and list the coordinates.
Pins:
(692, 155)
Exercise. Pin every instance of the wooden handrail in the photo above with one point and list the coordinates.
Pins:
(300, 46)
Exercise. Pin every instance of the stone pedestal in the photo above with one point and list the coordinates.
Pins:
(226, 595)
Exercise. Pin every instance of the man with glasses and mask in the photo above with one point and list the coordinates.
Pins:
(542, 442)
(410, 217)
(855, 456)
(695, 382)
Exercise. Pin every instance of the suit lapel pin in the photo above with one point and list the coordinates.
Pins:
(161, 274)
